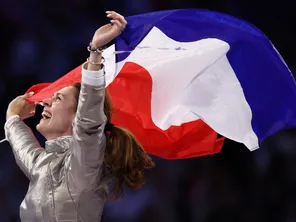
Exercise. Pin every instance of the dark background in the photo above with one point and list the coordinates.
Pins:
(42, 40)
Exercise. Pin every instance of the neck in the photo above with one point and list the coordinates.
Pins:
(49, 134)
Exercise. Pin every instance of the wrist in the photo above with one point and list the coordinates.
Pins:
(95, 62)
(95, 57)
(10, 114)
(95, 49)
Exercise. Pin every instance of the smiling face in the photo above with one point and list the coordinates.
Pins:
(58, 114)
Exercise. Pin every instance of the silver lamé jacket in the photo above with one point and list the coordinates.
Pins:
(68, 181)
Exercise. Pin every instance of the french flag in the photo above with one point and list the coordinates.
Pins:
(178, 78)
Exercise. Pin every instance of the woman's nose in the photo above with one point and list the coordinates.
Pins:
(47, 102)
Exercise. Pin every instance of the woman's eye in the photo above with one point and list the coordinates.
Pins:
(57, 98)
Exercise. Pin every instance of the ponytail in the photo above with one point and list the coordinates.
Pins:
(127, 161)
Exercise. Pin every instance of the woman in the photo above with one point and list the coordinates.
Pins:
(69, 179)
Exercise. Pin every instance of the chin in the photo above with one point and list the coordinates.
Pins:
(41, 127)
(38, 127)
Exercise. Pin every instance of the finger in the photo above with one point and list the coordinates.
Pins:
(32, 113)
(110, 12)
(120, 18)
(27, 95)
(118, 25)
(39, 103)
(33, 108)
(116, 16)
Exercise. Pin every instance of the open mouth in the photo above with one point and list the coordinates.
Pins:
(46, 115)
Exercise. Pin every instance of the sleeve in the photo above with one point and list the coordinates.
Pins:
(88, 131)
(25, 146)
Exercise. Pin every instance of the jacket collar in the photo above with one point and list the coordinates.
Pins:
(59, 145)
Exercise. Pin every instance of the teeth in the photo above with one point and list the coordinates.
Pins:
(46, 115)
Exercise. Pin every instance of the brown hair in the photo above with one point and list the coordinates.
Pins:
(124, 154)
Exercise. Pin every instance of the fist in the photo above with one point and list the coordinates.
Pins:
(20, 106)
(107, 33)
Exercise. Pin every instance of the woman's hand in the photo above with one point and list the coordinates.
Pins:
(107, 33)
(20, 106)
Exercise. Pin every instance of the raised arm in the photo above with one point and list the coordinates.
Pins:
(25, 146)
(88, 132)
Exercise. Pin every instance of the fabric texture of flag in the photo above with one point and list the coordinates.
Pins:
(179, 77)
